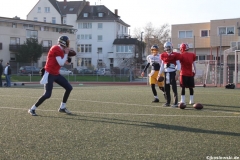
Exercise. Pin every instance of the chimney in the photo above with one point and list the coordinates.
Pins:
(88, 3)
(65, 2)
(116, 12)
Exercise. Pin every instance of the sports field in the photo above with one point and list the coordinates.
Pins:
(118, 123)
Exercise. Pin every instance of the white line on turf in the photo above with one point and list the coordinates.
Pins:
(129, 114)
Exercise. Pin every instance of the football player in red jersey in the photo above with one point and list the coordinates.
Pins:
(170, 67)
(187, 73)
(57, 57)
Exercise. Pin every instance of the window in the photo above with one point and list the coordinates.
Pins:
(28, 26)
(46, 43)
(86, 48)
(14, 40)
(124, 49)
(47, 9)
(100, 38)
(71, 9)
(31, 34)
(100, 14)
(85, 36)
(185, 34)
(204, 33)
(35, 19)
(64, 20)
(14, 25)
(84, 62)
(226, 30)
(54, 20)
(100, 25)
(44, 19)
(99, 50)
(85, 14)
(12, 57)
(78, 36)
(202, 57)
(39, 10)
(84, 25)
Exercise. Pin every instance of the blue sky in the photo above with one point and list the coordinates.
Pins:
(138, 13)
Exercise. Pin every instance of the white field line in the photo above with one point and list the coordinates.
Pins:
(129, 114)
(127, 104)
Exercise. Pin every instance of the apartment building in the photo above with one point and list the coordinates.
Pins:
(214, 40)
(97, 29)
(209, 39)
(15, 31)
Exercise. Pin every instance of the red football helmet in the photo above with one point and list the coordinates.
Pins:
(184, 47)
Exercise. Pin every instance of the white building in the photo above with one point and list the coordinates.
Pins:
(97, 29)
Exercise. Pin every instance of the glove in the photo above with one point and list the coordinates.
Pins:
(69, 60)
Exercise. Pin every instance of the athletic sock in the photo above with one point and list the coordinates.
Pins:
(33, 107)
(63, 105)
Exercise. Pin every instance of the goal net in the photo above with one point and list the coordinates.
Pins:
(206, 74)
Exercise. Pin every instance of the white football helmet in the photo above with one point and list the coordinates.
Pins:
(168, 47)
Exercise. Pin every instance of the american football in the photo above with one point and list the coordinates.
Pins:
(71, 53)
(160, 79)
(198, 106)
(182, 105)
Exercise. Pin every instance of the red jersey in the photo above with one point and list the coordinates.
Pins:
(170, 58)
(186, 61)
(52, 65)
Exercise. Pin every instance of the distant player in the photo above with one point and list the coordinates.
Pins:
(187, 73)
(57, 57)
(155, 62)
(170, 67)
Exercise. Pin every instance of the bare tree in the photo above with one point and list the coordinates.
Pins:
(153, 36)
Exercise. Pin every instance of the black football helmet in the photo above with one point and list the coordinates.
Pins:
(63, 41)
(154, 47)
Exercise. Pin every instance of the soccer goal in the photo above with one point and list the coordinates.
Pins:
(206, 74)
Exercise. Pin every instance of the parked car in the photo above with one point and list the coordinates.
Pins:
(26, 70)
(104, 71)
(86, 71)
(65, 71)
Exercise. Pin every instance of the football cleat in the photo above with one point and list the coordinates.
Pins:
(166, 105)
(64, 110)
(32, 112)
(174, 106)
(156, 100)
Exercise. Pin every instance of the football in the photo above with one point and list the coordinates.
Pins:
(160, 79)
(71, 53)
(198, 106)
(182, 105)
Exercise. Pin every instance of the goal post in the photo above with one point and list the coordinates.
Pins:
(206, 74)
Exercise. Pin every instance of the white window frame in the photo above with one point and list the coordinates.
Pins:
(100, 38)
(100, 14)
(54, 20)
(84, 25)
(44, 19)
(124, 49)
(225, 30)
(85, 48)
(85, 15)
(185, 34)
(47, 9)
(31, 33)
(35, 19)
(39, 10)
(100, 25)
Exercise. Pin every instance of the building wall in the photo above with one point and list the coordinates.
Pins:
(6, 32)
(40, 15)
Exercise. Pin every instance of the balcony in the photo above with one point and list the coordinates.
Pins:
(45, 49)
(14, 47)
